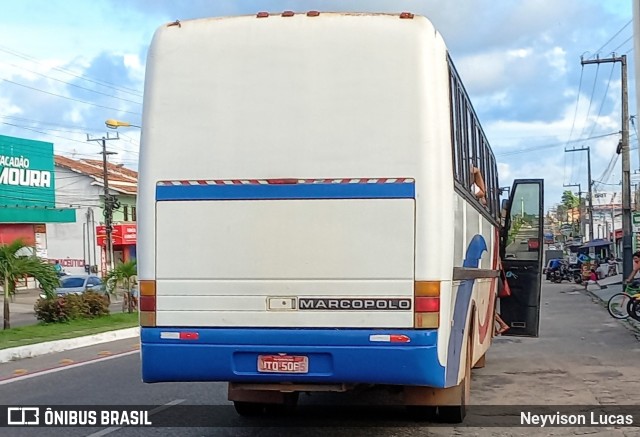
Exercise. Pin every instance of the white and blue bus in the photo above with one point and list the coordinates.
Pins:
(319, 208)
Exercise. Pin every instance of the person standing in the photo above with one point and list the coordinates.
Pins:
(593, 279)
(635, 268)
(58, 268)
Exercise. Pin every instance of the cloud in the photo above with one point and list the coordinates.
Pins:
(520, 63)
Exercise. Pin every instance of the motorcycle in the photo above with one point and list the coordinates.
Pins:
(566, 274)
(559, 275)
(576, 274)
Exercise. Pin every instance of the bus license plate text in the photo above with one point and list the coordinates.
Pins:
(283, 364)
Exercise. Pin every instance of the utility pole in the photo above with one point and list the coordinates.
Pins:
(613, 226)
(580, 208)
(626, 164)
(109, 201)
(590, 183)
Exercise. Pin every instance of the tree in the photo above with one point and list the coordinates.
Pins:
(17, 260)
(570, 200)
(123, 275)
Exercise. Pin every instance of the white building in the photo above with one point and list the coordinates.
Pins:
(79, 185)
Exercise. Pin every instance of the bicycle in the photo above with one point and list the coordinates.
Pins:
(620, 305)
(633, 307)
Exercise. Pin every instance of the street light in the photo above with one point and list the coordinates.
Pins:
(115, 124)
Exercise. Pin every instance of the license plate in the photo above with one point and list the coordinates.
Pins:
(283, 364)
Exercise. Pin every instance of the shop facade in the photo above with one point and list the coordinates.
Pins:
(82, 245)
(28, 193)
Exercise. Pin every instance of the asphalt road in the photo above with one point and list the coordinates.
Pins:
(583, 357)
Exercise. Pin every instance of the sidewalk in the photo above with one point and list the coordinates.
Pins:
(614, 285)
(23, 301)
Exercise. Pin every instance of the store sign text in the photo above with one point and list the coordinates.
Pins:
(15, 171)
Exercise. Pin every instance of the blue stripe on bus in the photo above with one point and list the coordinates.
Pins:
(476, 247)
(335, 356)
(293, 191)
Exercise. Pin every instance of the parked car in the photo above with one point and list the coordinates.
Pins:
(78, 284)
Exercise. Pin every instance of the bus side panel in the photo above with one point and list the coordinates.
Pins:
(434, 184)
(477, 247)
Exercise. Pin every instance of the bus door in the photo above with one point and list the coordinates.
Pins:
(521, 254)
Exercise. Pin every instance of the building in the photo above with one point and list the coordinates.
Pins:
(607, 219)
(81, 187)
(28, 185)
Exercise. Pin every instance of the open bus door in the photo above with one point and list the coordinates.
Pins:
(521, 254)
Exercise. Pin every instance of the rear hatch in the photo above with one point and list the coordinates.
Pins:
(265, 255)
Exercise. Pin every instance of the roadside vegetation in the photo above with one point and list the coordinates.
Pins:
(87, 305)
(42, 332)
(124, 275)
(18, 260)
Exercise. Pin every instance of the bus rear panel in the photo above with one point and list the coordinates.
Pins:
(296, 202)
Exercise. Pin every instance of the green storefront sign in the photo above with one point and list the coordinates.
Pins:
(27, 183)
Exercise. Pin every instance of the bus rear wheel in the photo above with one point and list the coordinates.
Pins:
(457, 413)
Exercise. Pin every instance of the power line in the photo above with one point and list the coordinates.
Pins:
(74, 85)
(547, 146)
(606, 91)
(71, 73)
(625, 41)
(47, 123)
(59, 136)
(611, 39)
(44, 133)
(593, 90)
(68, 98)
(573, 123)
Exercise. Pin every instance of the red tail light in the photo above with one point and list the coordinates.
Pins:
(427, 304)
(399, 338)
(147, 303)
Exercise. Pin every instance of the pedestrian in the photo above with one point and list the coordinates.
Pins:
(593, 279)
(501, 326)
(634, 271)
(58, 268)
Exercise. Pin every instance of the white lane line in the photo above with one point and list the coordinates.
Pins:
(70, 366)
(151, 413)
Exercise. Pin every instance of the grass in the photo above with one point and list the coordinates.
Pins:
(42, 332)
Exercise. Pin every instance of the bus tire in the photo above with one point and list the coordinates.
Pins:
(422, 413)
(457, 413)
(287, 407)
(248, 409)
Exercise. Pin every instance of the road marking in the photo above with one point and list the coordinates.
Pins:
(151, 413)
(60, 369)
(104, 353)
(66, 361)
(20, 371)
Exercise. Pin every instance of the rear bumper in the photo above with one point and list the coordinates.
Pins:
(335, 356)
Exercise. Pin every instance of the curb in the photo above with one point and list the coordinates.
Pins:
(37, 349)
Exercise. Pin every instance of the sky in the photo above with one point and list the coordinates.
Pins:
(68, 65)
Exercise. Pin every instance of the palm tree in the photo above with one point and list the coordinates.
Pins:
(17, 260)
(123, 275)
